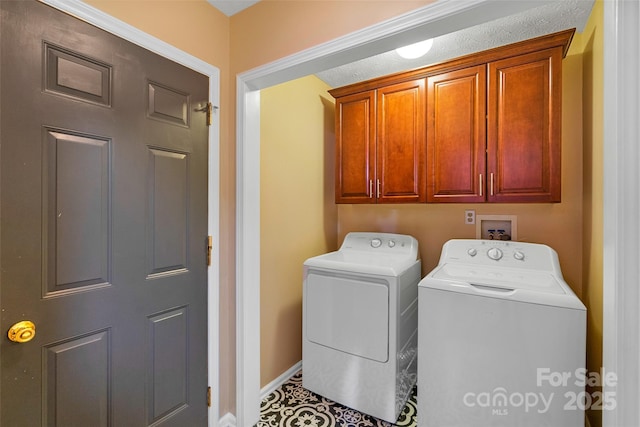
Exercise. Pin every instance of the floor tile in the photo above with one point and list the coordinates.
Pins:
(291, 405)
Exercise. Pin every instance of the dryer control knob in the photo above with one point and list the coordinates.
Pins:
(392, 243)
(494, 254)
(375, 243)
(518, 255)
(472, 251)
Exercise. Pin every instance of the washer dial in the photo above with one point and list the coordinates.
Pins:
(494, 253)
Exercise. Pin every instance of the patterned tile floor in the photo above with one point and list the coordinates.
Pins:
(291, 405)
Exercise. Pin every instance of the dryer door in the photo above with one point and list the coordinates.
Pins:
(348, 313)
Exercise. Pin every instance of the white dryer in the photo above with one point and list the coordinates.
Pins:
(501, 339)
(360, 317)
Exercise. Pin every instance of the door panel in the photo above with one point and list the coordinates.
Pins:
(103, 211)
(77, 76)
(76, 211)
(73, 396)
(168, 241)
(349, 314)
(168, 341)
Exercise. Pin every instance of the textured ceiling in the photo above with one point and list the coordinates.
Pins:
(545, 19)
(231, 7)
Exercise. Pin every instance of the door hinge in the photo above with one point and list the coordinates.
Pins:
(209, 248)
(209, 397)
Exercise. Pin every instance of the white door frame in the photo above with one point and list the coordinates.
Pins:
(621, 137)
(621, 156)
(125, 31)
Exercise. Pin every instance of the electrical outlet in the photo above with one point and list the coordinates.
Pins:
(470, 216)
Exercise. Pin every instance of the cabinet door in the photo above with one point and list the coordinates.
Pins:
(355, 148)
(401, 144)
(523, 127)
(456, 135)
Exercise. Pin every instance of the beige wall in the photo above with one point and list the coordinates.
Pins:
(298, 218)
(593, 89)
(273, 29)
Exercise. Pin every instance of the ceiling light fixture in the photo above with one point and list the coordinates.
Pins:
(415, 50)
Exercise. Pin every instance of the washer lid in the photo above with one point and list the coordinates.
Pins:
(504, 278)
(529, 286)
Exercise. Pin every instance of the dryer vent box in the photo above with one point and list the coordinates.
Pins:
(496, 227)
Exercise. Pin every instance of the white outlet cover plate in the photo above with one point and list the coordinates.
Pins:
(470, 216)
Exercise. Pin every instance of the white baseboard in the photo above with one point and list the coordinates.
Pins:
(273, 385)
(228, 420)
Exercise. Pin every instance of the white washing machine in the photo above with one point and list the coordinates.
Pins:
(501, 339)
(360, 318)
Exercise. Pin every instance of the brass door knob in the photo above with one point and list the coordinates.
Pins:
(22, 332)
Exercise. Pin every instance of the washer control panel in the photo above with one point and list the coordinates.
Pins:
(500, 253)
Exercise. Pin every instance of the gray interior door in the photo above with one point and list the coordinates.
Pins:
(103, 205)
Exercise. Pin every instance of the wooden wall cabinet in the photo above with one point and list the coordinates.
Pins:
(481, 128)
(380, 145)
(493, 131)
(456, 135)
(355, 148)
(524, 117)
